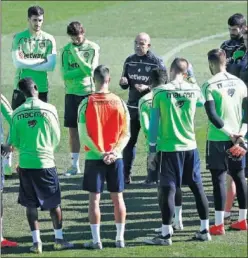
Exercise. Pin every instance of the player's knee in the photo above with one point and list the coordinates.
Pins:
(32, 213)
(94, 199)
(167, 192)
(218, 177)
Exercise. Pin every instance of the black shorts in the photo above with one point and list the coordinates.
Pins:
(180, 167)
(18, 98)
(96, 172)
(72, 103)
(217, 158)
(39, 188)
(246, 166)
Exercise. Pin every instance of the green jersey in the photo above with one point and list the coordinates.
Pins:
(145, 104)
(6, 109)
(35, 133)
(6, 112)
(227, 91)
(176, 105)
(34, 47)
(77, 66)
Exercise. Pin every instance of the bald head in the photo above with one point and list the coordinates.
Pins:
(142, 44)
(143, 36)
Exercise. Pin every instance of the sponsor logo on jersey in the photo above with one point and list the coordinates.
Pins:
(33, 55)
(138, 77)
(106, 102)
(32, 123)
(227, 84)
(31, 114)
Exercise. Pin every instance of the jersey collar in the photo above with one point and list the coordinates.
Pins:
(31, 98)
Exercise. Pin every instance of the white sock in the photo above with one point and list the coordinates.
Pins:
(120, 229)
(227, 214)
(219, 217)
(58, 233)
(166, 229)
(8, 160)
(178, 214)
(242, 214)
(36, 236)
(204, 224)
(95, 231)
(75, 159)
(1, 229)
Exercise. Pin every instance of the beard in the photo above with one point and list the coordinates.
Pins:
(235, 37)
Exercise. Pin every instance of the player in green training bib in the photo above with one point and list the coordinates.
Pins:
(171, 132)
(33, 55)
(226, 107)
(145, 105)
(35, 133)
(79, 58)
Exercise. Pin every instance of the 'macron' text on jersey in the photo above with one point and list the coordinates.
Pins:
(31, 115)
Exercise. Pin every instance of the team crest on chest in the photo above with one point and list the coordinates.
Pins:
(180, 103)
(32, 123)
(231, 92)
(147, 68)
(86, 54)
(42, 45)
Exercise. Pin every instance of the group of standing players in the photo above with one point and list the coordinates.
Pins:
(163, 103)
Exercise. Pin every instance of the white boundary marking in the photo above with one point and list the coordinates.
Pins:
(191, 43)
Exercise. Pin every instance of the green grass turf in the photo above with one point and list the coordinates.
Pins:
(113, 25)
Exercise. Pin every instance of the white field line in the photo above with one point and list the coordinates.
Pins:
(187, 44)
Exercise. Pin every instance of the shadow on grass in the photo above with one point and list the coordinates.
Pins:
(143, 214)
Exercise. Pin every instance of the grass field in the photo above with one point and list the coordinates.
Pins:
(113, 25)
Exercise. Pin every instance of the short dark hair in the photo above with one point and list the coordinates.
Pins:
(217, 56)
(178, 67)
(101, 73)
(27, 85)
(75, 28)
(237, 19)
(158, 77)
(35, 10)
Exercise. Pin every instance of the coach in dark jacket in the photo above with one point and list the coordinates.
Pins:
(136, 77)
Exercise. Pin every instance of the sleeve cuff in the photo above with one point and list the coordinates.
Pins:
(226, 130)
(152, 147)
